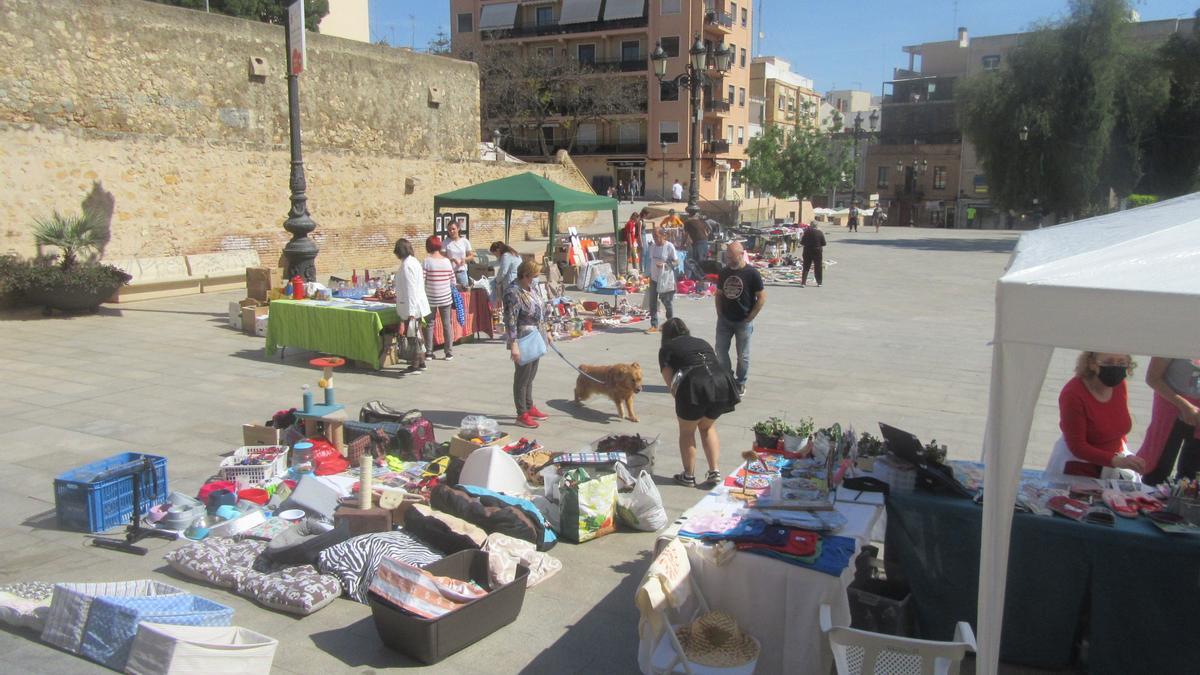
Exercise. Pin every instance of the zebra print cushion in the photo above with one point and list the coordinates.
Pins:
(354, 561)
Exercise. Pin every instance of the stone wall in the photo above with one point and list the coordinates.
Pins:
(158, 107)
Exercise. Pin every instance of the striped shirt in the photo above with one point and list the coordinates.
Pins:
(439, 275)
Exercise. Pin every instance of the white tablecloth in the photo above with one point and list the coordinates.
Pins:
(777, 602)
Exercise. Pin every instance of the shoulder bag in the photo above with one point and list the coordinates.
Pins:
(531, 346)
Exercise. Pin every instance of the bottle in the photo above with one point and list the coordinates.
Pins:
(297, 287)
(354, 279)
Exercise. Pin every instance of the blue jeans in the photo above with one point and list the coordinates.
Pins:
(727, 331)
(666, 298)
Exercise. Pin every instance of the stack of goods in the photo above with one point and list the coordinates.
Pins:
(250, 315)
(474, 432)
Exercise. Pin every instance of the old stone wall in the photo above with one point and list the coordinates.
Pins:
(158, 107)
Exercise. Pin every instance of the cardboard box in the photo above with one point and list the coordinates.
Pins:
(235, 316)
(461, 447)
(260, 325)
(251, 310)
(258, 434)
(260, 281)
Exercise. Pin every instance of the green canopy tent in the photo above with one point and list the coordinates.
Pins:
(527, 192)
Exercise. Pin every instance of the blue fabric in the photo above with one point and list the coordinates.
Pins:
(836, 553)
(112, 622)
(460, 309)
(523, 504)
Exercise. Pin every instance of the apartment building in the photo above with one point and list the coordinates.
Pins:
(925, 172)
(616, 38)
(788, 98)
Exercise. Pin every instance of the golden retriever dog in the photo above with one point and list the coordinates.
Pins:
(619, 382)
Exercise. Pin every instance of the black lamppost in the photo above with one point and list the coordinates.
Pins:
(694, 76)
(663, 146)
(301, 252)
(858, 120)
(1023, 136)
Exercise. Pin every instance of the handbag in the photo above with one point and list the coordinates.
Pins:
(531, 347)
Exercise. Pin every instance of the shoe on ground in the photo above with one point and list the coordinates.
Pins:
(741, 390)
(652, 329)
(450, 357)
(803, 285)
(414, 370)
(429, 356)
(685, 479)
(526, 420)
(538, 414)
(818, 285)
(711, 480)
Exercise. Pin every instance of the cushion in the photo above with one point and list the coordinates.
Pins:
(302, 543)
(295, 590)
(25, 605)
(494, 512)
(448, 533)
(354, 561)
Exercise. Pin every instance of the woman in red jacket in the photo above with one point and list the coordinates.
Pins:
(1094, 417)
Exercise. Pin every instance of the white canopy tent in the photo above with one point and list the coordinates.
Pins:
(1127, 282)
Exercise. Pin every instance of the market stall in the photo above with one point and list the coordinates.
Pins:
(1127, 282)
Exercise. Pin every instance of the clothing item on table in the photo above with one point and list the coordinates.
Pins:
(800, 543)
(834, 556)
(1095, 431)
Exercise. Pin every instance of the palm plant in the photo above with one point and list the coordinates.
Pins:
(72, 235)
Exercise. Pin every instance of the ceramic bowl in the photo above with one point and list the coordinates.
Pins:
(292, 515)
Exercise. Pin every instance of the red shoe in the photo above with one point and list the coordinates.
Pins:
(527, 421)
(538, 414)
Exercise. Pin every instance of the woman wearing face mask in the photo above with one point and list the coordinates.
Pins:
(1094, 418)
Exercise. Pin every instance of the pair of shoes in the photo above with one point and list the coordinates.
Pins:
(652, 329)
(414, 370)
(526, 420)
(537, 414)
(711, 480)
(450, 357)
(685, 479)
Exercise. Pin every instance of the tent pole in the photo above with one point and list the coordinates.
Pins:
(621, 263)
(553, 228)
(507, 224)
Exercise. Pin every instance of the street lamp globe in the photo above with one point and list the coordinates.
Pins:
(899, 166)
(724, 59)
(699, 54)
(659, 57)
(858, 122)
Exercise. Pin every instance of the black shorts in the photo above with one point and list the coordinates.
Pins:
(693, 412)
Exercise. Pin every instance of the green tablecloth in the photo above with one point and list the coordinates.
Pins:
(349, 332)
(1142, 587)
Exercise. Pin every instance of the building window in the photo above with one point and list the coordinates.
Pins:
(668, 91)
(670, 45)
(743, 58)
(631, 132)
(545, 15)
(881, 177)
(668, 132)
(545, 52)
(733, 51)
(731, 93)
(466, 23)
(741, 135)
(939, 178)
(742, 96)
(733, 9)
(631, 50)
(991, 62)
(586, 54)
(782, 102)
(587, 134)
(729, 134)
(668, 7)
(745, 16)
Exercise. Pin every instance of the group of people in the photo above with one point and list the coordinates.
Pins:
(426, 292)
(877, 217)
(1094, 419)
(623, 191)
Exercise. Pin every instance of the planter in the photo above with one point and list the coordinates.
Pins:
(71, 300)
(797, 443)
(766, 442)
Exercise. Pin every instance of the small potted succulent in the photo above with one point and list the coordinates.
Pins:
(869, 447)
(797, 438)
(934, 453)
(769, 433)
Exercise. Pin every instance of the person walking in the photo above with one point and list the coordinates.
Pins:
(677, 191)
(703, 391)
(812, 247)
(460, 252)
(412, 305)
(523, 315)
(635, 187)
(663, 261)
(507, 262)
(439, 278)
(877, 217)
(854, 218)
(697, 233)
(740, 297)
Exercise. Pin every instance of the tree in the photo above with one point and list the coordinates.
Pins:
(762, 170)
(439, 44)
(1173, 152)
(1086, 99)
(803, 163)
(267, 11)
(524, 94)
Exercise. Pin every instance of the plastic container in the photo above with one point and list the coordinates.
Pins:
(274, 458)
(302, 453)
(96, 497)
(162, 648)
(431, 640)
(478, 426)
(881, 606)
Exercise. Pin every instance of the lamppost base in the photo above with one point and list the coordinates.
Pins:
(301, 252)
(693, 210)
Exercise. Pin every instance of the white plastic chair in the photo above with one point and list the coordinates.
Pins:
(860, 652)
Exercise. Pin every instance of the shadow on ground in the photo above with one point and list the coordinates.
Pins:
(996, 245)
(350, 646)
(612, 621)
(584, 412)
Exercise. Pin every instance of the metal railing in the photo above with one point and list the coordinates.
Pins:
(716, 147)
(716, 106)
(720, 19)
(531, 147)
(555, 28)
(616, 65)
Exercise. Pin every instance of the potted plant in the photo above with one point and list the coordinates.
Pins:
(71, 279)
(934, 453)
(769, 432)
(869, 447)
(796, 437)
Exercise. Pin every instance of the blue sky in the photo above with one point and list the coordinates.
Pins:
(847, 44)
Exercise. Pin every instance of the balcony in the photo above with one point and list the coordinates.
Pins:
(716, 147)
(718, 21)
(525, 30)
(616, 65)
(530, 147)
(718, 107)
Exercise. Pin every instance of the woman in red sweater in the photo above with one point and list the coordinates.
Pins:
(1094, 417)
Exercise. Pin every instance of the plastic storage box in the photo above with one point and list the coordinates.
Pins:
(113, 622)
(99, 496)
(431, 640)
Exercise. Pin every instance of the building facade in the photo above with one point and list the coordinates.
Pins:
(789, 100)
(350, 19)
(925, 172)
(616, 38)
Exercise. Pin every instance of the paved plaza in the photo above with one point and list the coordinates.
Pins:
(899, 333)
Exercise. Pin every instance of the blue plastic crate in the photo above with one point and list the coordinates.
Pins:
(92, 499)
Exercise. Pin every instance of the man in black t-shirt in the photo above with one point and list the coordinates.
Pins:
(812, 245)
(740, 297)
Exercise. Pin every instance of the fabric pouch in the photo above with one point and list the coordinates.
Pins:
(531, 346)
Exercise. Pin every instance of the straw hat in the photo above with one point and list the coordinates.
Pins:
(715, 640)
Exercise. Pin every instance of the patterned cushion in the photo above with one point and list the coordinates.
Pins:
(354, 561)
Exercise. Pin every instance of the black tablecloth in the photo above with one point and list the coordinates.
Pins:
(1142, 586)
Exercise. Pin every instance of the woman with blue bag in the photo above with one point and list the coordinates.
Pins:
(523, 316)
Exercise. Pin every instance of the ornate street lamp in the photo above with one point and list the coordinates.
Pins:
(300, 252)
(694, 77)
(663, 146)
(858, 120)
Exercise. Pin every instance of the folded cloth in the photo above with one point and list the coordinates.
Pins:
(591, 458)
(505, 553)
(752, 531)
(800, 543)
(835, 555)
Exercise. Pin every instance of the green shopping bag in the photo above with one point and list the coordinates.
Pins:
(588, 506)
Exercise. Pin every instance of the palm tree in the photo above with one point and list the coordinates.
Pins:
(72, 235)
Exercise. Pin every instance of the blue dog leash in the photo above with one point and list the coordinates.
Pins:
(573, 366)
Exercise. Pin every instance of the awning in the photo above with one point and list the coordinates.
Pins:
(624, 9)
(579, 11)
(498, 17)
